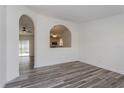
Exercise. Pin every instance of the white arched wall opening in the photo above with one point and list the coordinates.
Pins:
(60, 37)
(26, 43)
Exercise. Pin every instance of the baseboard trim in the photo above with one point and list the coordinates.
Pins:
(113, 70)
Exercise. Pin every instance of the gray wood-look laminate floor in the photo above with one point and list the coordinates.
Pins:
(26, 63)
(68, 75)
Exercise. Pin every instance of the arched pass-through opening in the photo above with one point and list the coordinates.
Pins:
(60, 37)
(26, 44)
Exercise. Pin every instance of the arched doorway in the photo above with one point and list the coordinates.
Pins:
(26, 44)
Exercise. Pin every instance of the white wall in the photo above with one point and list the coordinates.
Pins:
(102, 43)
(2, 45)
(13, 15)
(43, 53)
(47, 55)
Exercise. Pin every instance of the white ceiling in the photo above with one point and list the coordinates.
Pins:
(78, 13)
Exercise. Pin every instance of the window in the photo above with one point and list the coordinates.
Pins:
(24, 48)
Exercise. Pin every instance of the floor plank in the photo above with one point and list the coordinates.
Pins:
(68, 75)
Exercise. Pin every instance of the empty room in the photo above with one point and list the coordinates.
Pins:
(62, 46)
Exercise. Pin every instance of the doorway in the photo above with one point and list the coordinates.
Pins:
(26, 44)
